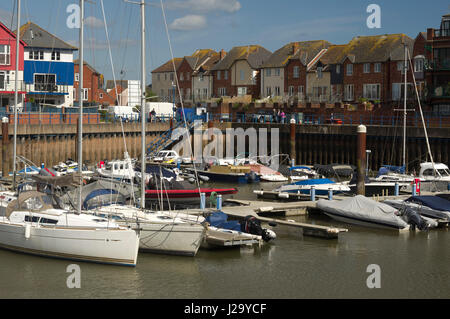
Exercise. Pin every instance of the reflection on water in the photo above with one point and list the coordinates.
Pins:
(413, 265)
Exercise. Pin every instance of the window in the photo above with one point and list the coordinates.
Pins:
(225, 75)
(319, 73)
(85, 94)
(158, 76)
(4, 79)
(242, 91)
(277, 72)
(45, 82)
(349, 69)
(5, 54)
(48, 221)
(77, 77)
(301, 89)
(36, 55)
(219, 75)
(377, 67)
(398, 91)
(277, 91)
(296, 72)
(101, 95)
(268, 72)
(205, 92)
(33, 219)
(371, 91)
(242, 75)
(348, 92)
(222, 91)
(171, 76)
(418, 65)
(366, 67)
(268, 91)
(181, 76)
(201, 77)
(291, 91)
(401, 66)
(56, 56)
(338, 69)
(165, 76)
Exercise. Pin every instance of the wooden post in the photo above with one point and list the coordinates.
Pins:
(361, 160)
(5, 144)
(293, 152)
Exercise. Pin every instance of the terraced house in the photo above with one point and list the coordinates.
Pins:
(48, 67)
(284, 73)
(238, 73)
(163, 80)
(369, 68)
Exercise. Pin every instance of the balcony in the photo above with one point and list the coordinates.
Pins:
(10, 86)
(47, 88)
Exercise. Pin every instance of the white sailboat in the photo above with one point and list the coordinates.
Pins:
(34, 224)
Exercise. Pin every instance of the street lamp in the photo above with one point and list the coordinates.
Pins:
(367, 161)
(173, 109)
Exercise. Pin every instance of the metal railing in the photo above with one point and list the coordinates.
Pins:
(10, 86)
(48, 88)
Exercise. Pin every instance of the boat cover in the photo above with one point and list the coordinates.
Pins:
(434, 202)
(318, 181)
(361, 208)
(389, 168)
(220, 220)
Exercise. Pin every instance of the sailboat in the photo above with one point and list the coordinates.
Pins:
(34, 224)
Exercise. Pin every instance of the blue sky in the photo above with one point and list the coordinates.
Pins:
(219, 24)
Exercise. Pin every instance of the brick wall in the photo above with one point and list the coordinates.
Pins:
(289, 79)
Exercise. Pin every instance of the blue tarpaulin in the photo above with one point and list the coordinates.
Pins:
(220, 220)
(388, 168)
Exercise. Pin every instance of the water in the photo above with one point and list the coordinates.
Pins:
(413, 265)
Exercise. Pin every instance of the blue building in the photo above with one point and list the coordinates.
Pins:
(48, 68)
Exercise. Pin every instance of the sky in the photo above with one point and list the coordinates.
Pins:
(216, 24)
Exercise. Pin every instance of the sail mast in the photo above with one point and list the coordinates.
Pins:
(143, 111)
(80, 105)
(405, 69)
(16, 95)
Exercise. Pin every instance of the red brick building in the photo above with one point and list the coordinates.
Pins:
(93, 86)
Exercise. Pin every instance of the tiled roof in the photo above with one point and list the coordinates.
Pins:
(168, 66)
(208, 64)
(122, 83)
(77, 62)
(36, 37)
(256, 55)
(305, 51)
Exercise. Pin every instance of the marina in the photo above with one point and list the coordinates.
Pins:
(250, 196)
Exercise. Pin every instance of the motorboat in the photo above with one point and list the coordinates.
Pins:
(389, 173)
(122, 170)
(436, 172)
(363, 211)
(322, 186)
(266, 174)
(298, 173)
(34, 224)
(237, 174)
(159, 232)
(377, 187)
(335, 170)
(429, 206)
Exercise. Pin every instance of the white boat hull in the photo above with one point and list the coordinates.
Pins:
(172, 239)
(109, 246)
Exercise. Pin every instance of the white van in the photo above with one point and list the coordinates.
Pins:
(123, 112)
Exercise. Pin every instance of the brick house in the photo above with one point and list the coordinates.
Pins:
(163, 79)
(8, 69)
(284, 73)
(93, 82)
(437, 72)
(238, 73)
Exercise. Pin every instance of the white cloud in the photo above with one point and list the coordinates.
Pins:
(93, 22)
(188, 23)
(229, 6)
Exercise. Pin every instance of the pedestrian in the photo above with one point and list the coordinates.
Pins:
(283, 117)
(278, 116)
(152, 115)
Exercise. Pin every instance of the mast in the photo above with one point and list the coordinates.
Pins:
(143, 111)
(405, 69)
(80, 105)
(16, 95)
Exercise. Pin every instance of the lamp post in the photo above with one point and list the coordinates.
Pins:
(173, 109)
(367, 163)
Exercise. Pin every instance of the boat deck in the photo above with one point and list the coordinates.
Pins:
(215, 238)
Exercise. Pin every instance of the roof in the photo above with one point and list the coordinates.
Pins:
(168, 66)
(255, 55)
(122, 83)
(305, 51)
(206, 66)
(36, 37)
(11, 33)
(76, 62)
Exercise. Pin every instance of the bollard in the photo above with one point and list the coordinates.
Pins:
(414, 189)
(219, 202)
(179, 163)
(361, 160)
(293, 163)
(330, 194)
(42, 165)
(396, 189)
(202, 200)
(313, 193)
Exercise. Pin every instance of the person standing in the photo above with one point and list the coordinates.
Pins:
(283, 117)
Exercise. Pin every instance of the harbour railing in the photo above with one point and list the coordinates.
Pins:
(336, 119)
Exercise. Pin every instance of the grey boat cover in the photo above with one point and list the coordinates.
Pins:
(363, 209)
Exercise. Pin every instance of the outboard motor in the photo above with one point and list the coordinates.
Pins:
(252, 225)
(415, 220)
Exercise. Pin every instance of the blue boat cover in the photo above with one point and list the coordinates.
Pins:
(97, 192)
(157, 170)
(220, 220)
(388, 168)
(299, 167)
(434, 202)
(318, 181)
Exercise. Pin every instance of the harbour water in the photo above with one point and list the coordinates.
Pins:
(412, 265)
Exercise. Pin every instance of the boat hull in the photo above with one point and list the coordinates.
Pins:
(170, 239)
(107, 246)
(363, 222)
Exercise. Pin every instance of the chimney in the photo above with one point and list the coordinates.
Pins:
(222, 54)
(295, 47)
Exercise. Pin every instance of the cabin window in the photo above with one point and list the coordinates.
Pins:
(48, 221)
(428, 172)
(32, 219)
(116, 166)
